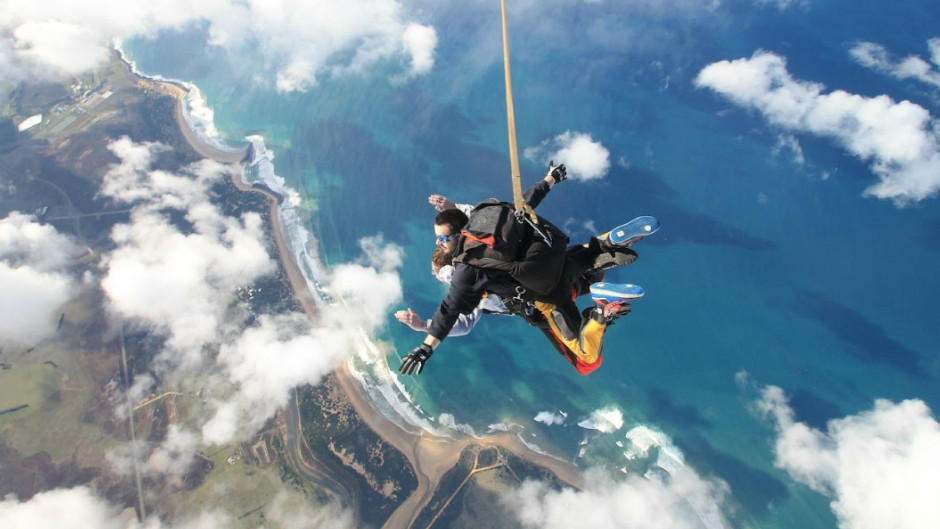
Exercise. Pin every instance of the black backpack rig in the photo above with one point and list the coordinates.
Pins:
(497, 237)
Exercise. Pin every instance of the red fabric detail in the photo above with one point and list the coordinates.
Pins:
(582, 367)
(488, 240)
(585, 368)
(574, 293)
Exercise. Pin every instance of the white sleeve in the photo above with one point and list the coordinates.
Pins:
(466, 208)
(465, 323)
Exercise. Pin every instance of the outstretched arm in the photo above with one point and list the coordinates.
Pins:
(533, 196)
(440, 202)
(465, 322)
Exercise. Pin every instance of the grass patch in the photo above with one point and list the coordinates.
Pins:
(51, 422)
(27, 386)
(240, 488)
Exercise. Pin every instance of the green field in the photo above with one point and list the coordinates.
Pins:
(28, 385)
(51, 421)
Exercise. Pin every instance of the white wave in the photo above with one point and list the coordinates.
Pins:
(447, 420)
(643, 438)
(550, 418)
(536, 448)
(606, 420)
(199, 116)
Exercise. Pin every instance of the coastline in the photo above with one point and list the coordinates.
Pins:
(430, 456)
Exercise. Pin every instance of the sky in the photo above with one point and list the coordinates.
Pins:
(179, 284)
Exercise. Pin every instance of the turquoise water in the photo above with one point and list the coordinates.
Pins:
(765, 266)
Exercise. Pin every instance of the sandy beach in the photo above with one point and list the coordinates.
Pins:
(431, 457)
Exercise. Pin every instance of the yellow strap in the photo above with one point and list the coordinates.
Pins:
(518, 201)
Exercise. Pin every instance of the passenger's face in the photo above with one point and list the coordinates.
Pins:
(444, 232)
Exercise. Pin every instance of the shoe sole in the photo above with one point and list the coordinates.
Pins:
(636, 229)
(611, 292)
(614, 258)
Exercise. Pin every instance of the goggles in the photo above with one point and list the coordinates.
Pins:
(443, 239)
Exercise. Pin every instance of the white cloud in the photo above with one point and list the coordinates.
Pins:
(23, 241)
(269, 359)
(880, 467)
(683, 501)
(293, 512)
(61, 46)
(175, 454)
(877, 57)
(420, 43)
(898, 139)
(584, 158)
(171, 459)
(301, 40)
(782, 4)
(178, 283)
(34, 278)
(81, 508)
(76, 508)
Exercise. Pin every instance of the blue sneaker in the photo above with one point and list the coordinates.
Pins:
(627, 234)
(613, 299)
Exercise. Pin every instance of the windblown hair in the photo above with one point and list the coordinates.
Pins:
(440, 258)
(453, 218)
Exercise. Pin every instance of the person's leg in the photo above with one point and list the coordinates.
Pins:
(578, 339)
(591, 258)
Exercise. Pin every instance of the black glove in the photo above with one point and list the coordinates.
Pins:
(557, 173)
(414, 362)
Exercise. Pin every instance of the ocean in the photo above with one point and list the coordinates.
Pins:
(773, 267)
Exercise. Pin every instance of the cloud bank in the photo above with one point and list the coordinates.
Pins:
(684, 501)
(584, 158)
(177, 280)
(174, 270)
(301, 40)
(878, 58)
(881, 467)
(34, 278)
(81, 508)
(898, 139)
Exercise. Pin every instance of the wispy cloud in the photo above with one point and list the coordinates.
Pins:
(898, 139)
(585, 158)
(301, 40)
(880, 467)
(782, 5)
(788, 142)
(878, 58)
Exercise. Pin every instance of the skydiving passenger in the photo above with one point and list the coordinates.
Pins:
(545, 275)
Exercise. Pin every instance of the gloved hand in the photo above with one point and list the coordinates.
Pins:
(414, 362)
(557, 173)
